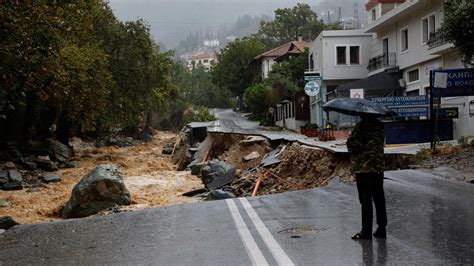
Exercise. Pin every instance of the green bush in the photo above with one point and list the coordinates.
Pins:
(312, 125)
(258, 99)
(198, 114)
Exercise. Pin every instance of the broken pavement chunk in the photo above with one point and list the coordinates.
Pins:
(220, 194)
(271, 158)
(249, 140)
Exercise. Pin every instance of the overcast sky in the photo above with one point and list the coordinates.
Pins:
(171, 20)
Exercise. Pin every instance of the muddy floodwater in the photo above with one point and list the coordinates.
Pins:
(151, 178)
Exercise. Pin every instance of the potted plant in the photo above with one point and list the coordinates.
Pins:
(310, 130)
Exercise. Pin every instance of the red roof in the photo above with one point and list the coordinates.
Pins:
(294, 47)
(373, 3)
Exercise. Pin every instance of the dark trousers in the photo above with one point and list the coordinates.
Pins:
(370, 187)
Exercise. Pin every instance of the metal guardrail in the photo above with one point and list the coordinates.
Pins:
(382, 60)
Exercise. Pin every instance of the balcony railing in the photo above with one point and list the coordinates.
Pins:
(436, 39)
(383, 60)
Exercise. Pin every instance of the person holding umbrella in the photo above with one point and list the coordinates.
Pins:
(367, 162)
(366, 145)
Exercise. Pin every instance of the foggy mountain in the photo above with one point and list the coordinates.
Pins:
(173, 20)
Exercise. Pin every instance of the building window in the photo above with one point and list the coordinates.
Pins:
(413, 93)
(424, 23)
(413, 75)
(341, 55)
(428, 27)
(206, 61)
(404, 39)
(354, 52)
(374, 15)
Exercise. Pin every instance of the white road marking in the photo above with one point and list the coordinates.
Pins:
(276, 250)
(251, 246)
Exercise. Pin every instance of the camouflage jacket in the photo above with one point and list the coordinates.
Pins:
(366, 147)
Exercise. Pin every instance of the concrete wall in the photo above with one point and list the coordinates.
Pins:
(267, 63)
(291, 124)
(329, 68)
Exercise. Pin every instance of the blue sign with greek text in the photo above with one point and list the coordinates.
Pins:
(401, 100)
(410, 111)
(460, 82)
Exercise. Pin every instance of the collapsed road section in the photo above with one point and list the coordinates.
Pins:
(243, 164)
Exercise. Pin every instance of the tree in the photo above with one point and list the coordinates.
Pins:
(293, 69)
(74, 65)
(289, 24)
(458, 25)
(234, 70)
(258, 98)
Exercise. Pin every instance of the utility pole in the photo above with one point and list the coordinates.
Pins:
(329, 16)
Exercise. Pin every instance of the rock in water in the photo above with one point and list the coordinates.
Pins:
(7, 222)
(15, 176)
(48, 178)
(167, 149)
(46, 165)
(9, 165)
(59, 151)
(100, 189)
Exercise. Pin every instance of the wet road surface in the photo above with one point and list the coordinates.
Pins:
(430, 222)
(233, 122)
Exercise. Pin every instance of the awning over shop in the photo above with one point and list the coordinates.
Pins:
(382, 84)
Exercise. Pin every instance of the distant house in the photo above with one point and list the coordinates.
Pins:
(204, 59)
(269, 58)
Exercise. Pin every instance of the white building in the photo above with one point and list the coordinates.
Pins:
(337, 57)
(407, 38)
(201, 59)
(269, 58)
(211, 43)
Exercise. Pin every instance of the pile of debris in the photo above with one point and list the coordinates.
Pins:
(243, 165)
(240, 165)
(293, 167)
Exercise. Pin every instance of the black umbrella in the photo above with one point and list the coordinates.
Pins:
(356, 106)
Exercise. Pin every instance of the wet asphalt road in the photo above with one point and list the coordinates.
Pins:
(431, 221)
(233, 122)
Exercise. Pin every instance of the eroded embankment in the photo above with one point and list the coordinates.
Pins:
(294, 166)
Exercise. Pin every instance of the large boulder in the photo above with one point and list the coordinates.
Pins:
(46, 164)
(217, 174)
(59, 151)
(100, 189)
